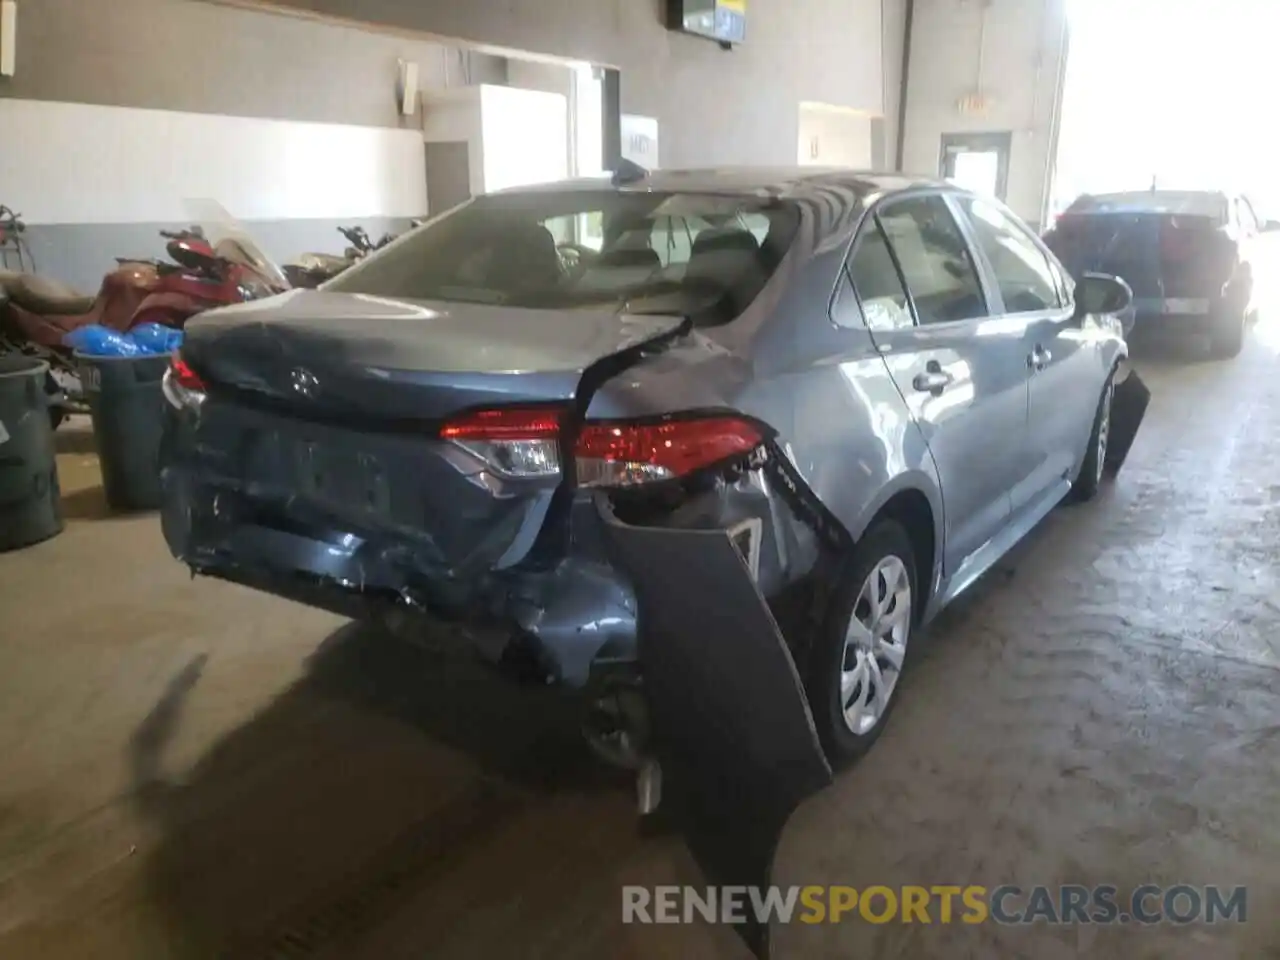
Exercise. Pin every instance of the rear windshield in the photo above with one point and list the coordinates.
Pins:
(698, 255)
(1177, 203)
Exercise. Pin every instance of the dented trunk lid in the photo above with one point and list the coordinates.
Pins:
(355, 355)
(322, 426)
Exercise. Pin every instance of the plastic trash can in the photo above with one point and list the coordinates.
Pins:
(30, 504)
(126, 402)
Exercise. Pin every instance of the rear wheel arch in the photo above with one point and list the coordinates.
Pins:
(911, 508)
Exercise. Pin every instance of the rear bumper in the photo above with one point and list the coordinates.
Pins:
(1172, 306)
(561, 623)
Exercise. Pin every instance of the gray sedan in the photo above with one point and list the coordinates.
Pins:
(711, 447)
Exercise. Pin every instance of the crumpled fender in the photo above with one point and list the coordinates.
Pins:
(1128, 408)
(731, 723)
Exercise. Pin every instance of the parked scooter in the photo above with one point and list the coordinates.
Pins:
(201, 277)
(312, 269)
(36, 313)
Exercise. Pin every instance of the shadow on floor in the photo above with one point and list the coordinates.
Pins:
(87, 503)
(369, 779)
(75, 436)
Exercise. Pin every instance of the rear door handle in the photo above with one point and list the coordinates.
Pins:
(1039, 358)
(932, 381)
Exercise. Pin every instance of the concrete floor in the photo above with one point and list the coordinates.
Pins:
(189, 769)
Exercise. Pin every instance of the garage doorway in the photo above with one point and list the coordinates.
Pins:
(1172, 92)
(977, 162)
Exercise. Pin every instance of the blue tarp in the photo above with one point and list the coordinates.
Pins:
(146, 340)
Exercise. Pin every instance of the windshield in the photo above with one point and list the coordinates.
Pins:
(699, 255)
(1176, 202)
(231, 241)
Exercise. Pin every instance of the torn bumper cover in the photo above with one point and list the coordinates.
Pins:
(730, 720)
(1128, 408)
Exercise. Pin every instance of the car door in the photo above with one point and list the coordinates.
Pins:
(1251, 244)
(1066, 374)
(961, 372)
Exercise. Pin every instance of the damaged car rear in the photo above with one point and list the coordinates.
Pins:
(708, 447)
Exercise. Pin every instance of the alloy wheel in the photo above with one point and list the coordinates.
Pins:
(875, 645)
(1104, 431)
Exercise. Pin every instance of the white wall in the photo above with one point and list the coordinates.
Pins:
(453, 116)
(831, 136)
(85, 164)
(516, 136)
(1011, 51)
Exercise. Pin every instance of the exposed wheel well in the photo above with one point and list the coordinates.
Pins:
(911, 510)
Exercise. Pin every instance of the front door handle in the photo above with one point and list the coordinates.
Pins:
(1039, 358)
(933, 380)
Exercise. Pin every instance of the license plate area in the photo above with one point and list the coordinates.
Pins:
(1184, 306)
(345, 481)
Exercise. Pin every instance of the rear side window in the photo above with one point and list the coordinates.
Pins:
(877, 283)
(1022, 271)
(935, 260)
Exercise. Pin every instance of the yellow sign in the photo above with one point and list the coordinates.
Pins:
(734, 6)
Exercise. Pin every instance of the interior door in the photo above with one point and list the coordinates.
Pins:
(977, 161)
(960, 371)
(1065, 370)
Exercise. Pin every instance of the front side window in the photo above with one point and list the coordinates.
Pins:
(703, 256)
(1022, 271)
(935, 260)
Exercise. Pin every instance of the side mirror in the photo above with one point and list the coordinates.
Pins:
(1102, 293)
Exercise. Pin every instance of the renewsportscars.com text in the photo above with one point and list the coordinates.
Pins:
(972, 904)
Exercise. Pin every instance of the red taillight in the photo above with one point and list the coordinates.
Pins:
(525, 443)
(620, 454)
(1173, 242)
(505, 423)
(184, 376)
(181, 386)
(522, 442)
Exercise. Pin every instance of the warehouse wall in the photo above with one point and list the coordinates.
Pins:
(714, 107)
(124, 110)
(207, 59)
(1017, 67)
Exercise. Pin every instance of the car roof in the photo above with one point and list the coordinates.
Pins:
(793, 182)
(1170, 201)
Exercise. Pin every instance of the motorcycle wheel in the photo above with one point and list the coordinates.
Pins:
(57, 412)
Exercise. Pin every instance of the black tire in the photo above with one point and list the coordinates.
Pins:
(883, 540)
(56, 412)
(1226, 335)
(1093, 469)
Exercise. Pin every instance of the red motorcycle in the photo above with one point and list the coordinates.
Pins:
(36, 314)
(200, 278)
